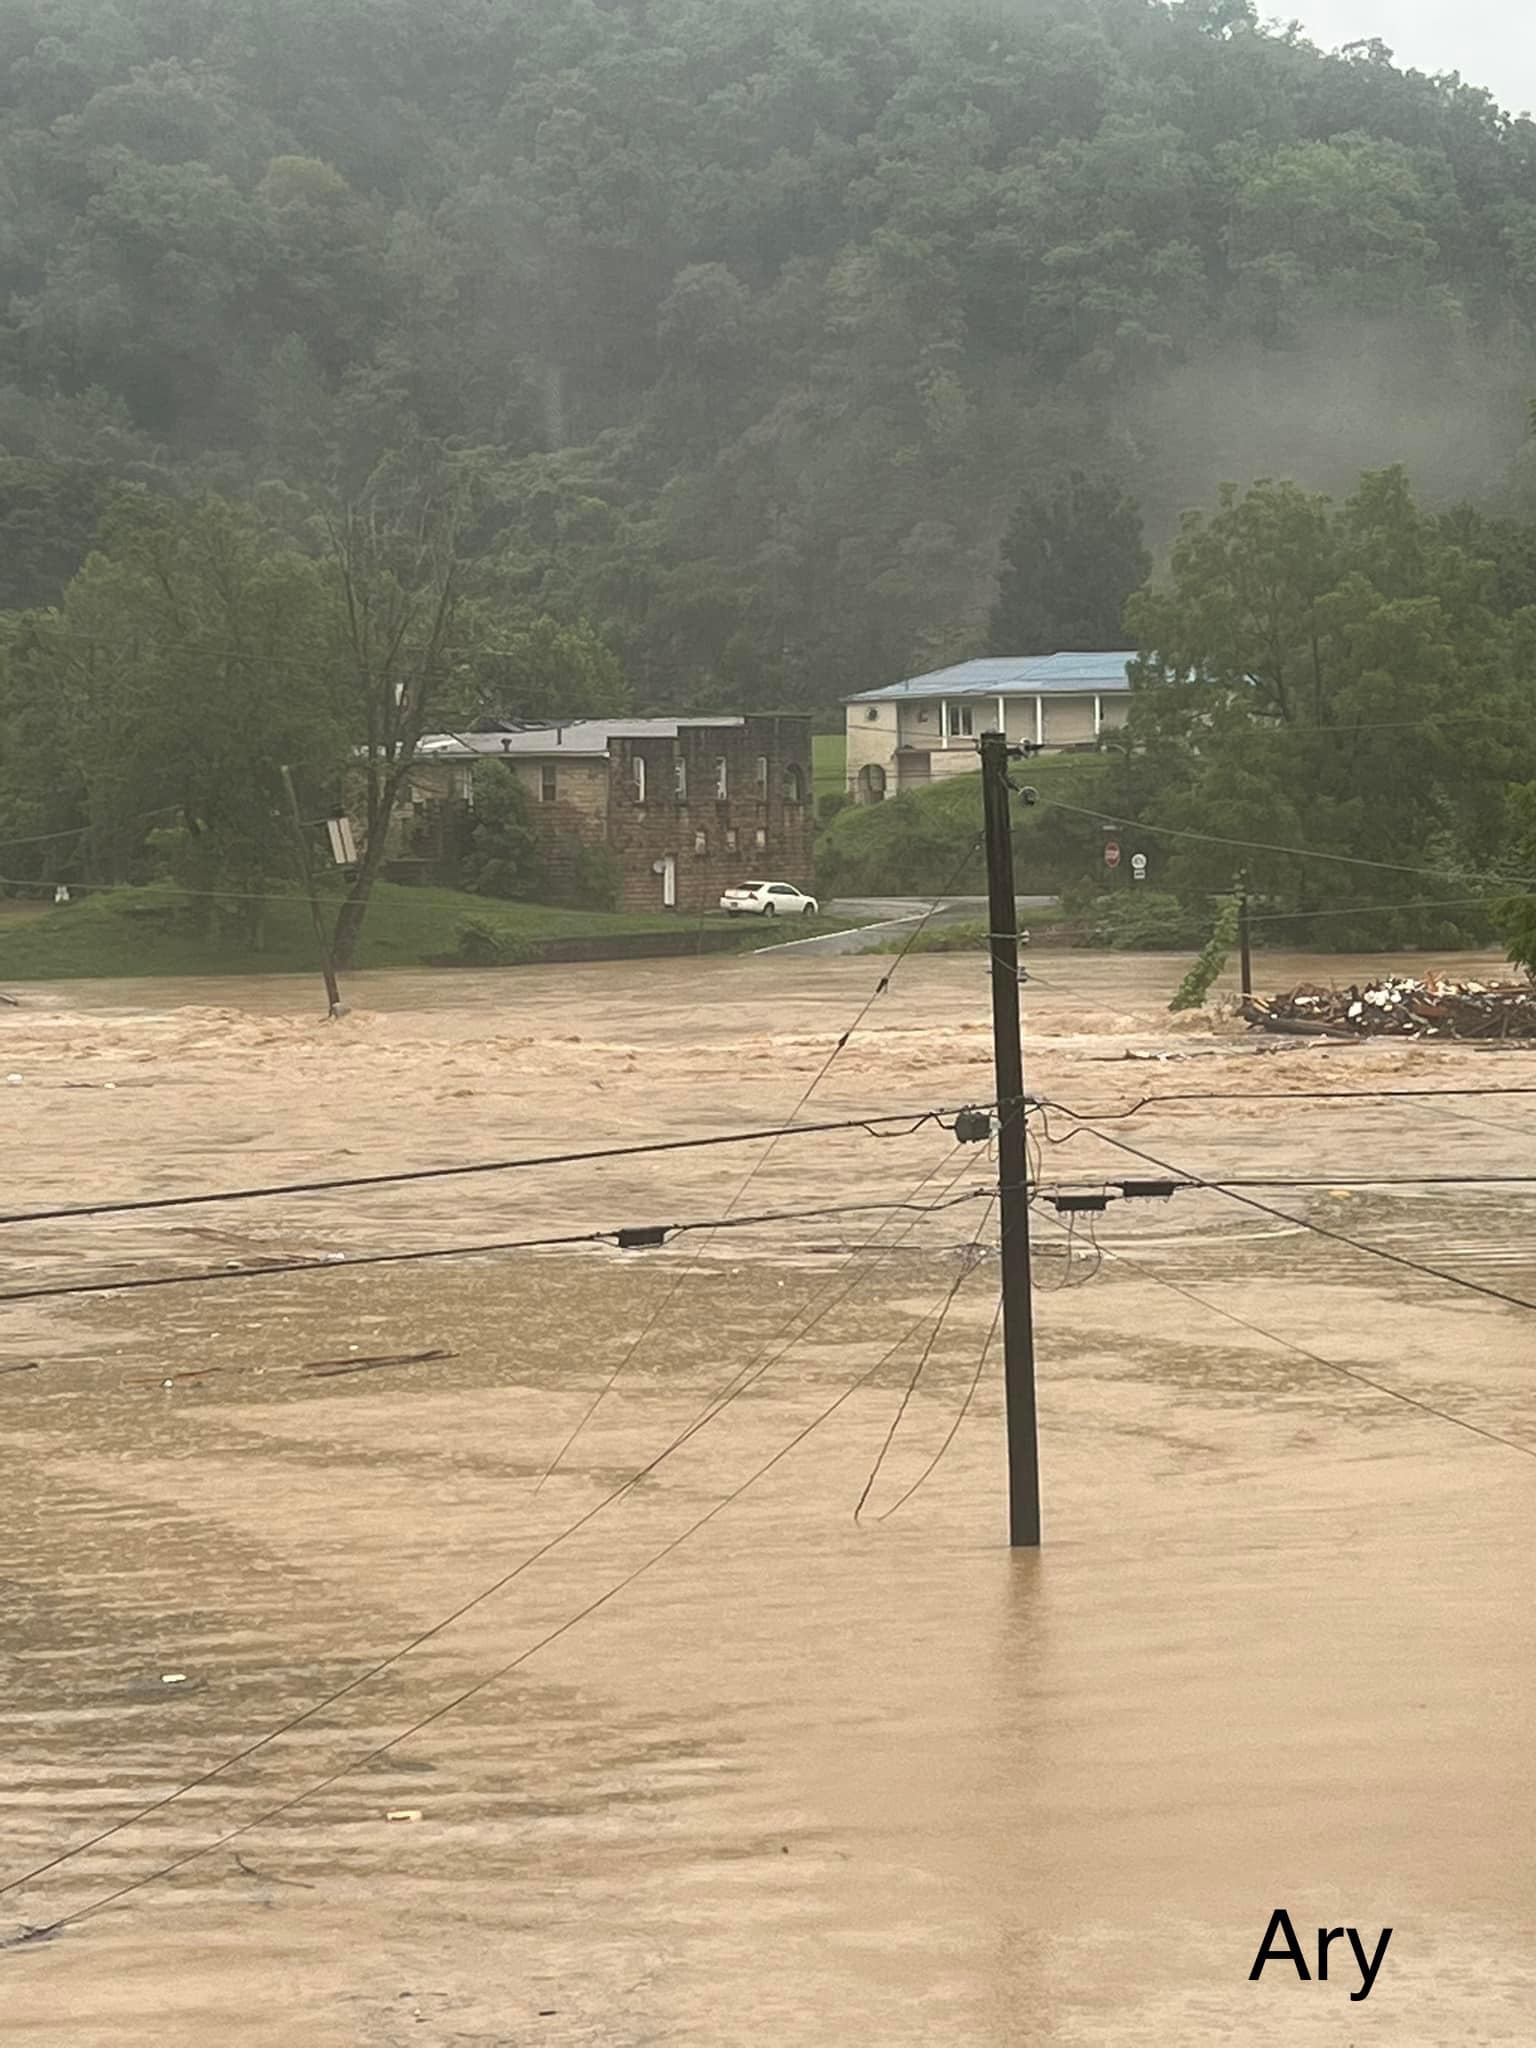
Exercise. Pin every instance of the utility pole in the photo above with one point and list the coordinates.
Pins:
(322, 937)
(1244, 939)
(1013, 1153)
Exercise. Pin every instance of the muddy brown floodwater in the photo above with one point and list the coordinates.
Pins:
(754, 1771)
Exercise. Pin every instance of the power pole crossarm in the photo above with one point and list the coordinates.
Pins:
(1013, 1152)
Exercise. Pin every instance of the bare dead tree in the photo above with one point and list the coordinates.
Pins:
(396, 552)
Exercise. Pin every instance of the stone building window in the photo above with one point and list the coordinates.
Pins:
(762, 839)
(794, 784)
(637, 770)
(722, 778)
(680, 778)
(548, 788)
(701, 842)
(731, 840)
(762, 778)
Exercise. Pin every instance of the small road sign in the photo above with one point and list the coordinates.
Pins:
(1111, 853)
(1139, 866)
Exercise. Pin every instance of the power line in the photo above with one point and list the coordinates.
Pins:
(143, 1205)
(917, 1371)
(1301, 1351)
(339, 1262)
(293, 896)
(954, 1429)
(1376, 909)
(1318, 1229)
(469, 1692)
(79, 832)
(1238, 1095)
(879, 989)
(1382, 1180)
(1515, 882)
(716, 1405)
(1343, 1178)
(1347, 728)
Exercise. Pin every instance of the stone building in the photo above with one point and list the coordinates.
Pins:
(684, 806)
(916, 732)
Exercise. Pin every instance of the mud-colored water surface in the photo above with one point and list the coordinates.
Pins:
(719, 1763)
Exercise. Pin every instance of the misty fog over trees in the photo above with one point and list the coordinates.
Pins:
(763, 315)
(726, 343)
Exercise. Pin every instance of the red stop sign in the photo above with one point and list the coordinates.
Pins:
(1111, 853)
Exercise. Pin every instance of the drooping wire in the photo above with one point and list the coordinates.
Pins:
(917, 1371)
(1316, 1357)
(1511, 882)
(954, 1428)
(339, 1262)
(470, 1692)
(1377, 909)
(589, 1414)
(762, 1362)
(1344, 1178)
(912, 1119)
(717, 1404)
(1356, 1244)
(1240, 1095)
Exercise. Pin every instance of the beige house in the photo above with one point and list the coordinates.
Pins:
(913, 733)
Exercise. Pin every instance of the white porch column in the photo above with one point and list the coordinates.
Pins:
(1002, 715)
(943, 723)
(1039, 721)
(1098, 716)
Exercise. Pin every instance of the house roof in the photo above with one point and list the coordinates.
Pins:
(1013, 675)
(583, 736)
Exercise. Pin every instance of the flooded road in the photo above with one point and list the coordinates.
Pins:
(717, 1763)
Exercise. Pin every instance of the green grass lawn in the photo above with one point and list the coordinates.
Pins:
(914, 843)
(829, 772)
(148, 932)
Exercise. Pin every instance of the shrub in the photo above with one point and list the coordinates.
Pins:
(597, 880)
(478, 944)
(504, 858)
(1138, 919)
(1203, 976)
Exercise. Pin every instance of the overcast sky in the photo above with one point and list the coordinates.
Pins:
(1490, 42)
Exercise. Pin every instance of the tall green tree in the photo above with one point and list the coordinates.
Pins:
(192, 657)
(785, 302)
(1330, 678)
(1072, 556)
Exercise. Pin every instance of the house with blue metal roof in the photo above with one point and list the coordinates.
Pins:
(912, 733)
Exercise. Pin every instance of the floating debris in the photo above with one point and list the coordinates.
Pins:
(1400, 1006)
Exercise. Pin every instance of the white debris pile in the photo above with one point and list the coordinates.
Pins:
(1435, 1007)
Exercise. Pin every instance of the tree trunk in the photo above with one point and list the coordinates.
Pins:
(349, 919)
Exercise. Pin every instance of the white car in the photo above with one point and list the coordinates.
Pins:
(767, 899)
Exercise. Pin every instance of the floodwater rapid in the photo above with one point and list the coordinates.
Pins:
(639, 1657)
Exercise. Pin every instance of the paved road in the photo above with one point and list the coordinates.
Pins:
(890, 917)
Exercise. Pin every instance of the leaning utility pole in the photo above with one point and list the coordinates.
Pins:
(1013, 1152)
(306, 864)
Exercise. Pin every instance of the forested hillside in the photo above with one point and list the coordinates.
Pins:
(760, 318)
